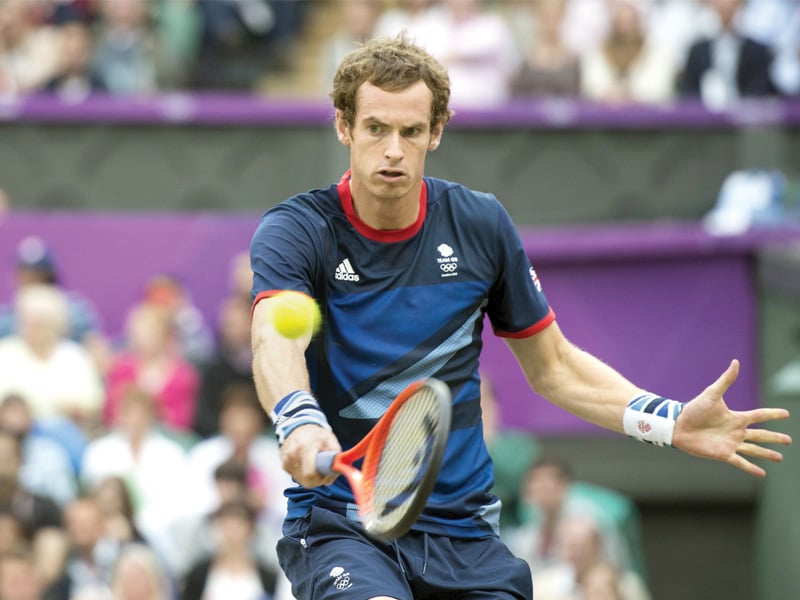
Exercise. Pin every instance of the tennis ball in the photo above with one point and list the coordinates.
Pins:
(294, 314)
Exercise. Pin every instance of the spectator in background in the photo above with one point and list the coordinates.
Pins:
(152, 464)
(28, 53)
(37, 516)
(178, 26)
(233, 570)
(139, 575)
(75, 78)
(152, 363)
(54, 374)
(195, 338)
(114, 499)
(602, 582)
(549, 67)
(357, 22)
(728, 66)
(19, 579)
(776, 23)
(231, 366)
(241, 438)
(92, 555)
(476, 47)
(580, 550)
(404, 15)
(629, 66)
(125, 52)
(46, 467)
(36, 265)
(235, 44)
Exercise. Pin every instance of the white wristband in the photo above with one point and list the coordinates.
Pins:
(650, 418)
(296, 409)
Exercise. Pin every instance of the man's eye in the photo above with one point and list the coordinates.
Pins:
(374, 128)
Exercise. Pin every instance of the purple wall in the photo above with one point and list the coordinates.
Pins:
(666, 304)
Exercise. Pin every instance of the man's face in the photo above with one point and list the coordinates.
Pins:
(388, 141)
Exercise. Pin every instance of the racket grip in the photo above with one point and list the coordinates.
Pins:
(324, 462)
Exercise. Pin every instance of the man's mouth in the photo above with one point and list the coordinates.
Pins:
(391, 173)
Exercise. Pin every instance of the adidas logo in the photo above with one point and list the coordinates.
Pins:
(345, 272)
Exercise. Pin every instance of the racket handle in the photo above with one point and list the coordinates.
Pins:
(324, 462)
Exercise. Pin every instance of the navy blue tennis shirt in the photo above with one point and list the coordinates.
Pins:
(399, 306)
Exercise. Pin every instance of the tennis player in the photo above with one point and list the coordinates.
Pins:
(405, 267)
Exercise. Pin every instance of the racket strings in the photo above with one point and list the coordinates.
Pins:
(405, 455)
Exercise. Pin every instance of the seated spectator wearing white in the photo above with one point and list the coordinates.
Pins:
(56, 375)
(477, 48)
(46, 466)
(549, 68)
(776, 23)
(602, 582)
(629, 66)
(28, 50)
(549, 495)
(36, 265)
(233, 570)
(152, 464)
(580, 545)
(404, 15)
(729, 65)
(242, 438)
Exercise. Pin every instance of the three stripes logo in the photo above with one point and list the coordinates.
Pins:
(345, 272)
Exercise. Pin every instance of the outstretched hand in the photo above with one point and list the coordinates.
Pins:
(707, 428)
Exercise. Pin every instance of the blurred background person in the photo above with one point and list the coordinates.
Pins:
(729, 65)
(125, 50)
(28, 51)
(601, 582)
(139, 575)
(580, 549)
(477, 48)
(195, 338)
(152, 464)
(233, 570)
(37, 517)
(46, 466)
(357, 20)
(76, 78)
(151, 361)
(113, 496)
(629, 66)
(549, 67)
(19, 579)
(404, 15)
(54, 374)
(231, 365)
(36, 265)
(241, 438)
(92, 556)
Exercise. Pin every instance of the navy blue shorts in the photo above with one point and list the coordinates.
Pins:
(326, 555)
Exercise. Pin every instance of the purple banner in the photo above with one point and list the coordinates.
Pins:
(666, 304)
(236, 109)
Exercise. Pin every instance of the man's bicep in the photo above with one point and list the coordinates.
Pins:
(540, 355)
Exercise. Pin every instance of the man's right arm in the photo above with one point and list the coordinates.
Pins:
(279, 369)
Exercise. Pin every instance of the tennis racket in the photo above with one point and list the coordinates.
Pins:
(402, 456)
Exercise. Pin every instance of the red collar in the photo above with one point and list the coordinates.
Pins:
(380, 235)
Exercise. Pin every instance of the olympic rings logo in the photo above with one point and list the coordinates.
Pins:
(448, 267)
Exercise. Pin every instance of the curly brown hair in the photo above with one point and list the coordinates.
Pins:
(392, 64)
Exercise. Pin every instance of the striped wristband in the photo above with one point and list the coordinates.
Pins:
(651, 419)
(296, 409)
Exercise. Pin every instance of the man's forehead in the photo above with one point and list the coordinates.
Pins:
(413, 103)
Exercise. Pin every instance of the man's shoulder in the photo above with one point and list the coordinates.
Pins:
(443, 189)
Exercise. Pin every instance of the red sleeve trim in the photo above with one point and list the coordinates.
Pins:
(529, 331)
(260, 297)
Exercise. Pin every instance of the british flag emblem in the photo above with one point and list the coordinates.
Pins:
(535, 279)
(644, 427)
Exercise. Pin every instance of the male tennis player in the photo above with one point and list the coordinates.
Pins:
(405, 267)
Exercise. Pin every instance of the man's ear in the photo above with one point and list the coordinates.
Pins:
(436, 137)
(342, 128)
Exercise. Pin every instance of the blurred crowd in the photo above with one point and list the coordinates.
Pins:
(643, 51)
(140, 466)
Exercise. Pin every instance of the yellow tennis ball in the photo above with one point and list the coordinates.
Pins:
(295, 313)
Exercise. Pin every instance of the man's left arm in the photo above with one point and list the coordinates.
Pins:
(590, 389)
